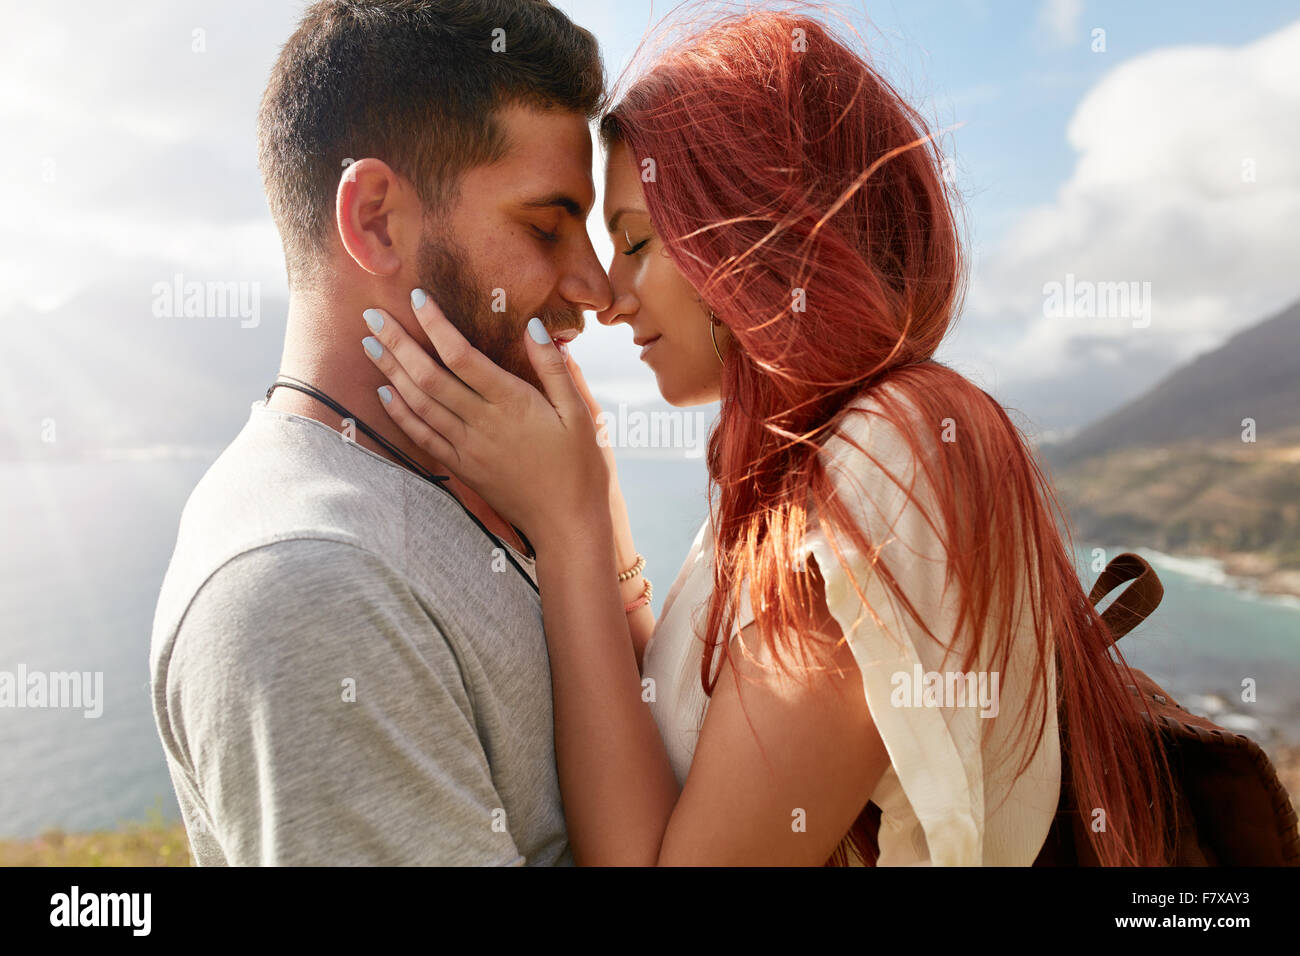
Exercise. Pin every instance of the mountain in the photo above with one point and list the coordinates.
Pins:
(1255, 374)
(1176, 469)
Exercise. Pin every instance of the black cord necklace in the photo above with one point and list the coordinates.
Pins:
(288, 381)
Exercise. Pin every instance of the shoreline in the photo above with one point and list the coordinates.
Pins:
(1262, 574)
(1248, 572)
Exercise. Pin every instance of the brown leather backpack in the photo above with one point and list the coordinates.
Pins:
(1231, 808)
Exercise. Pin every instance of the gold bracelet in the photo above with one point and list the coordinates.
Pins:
(642, 601)
(633, 571)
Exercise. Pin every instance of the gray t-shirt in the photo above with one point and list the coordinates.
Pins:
(345, 668)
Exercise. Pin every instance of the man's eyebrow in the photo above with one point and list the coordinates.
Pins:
(613, 220)
(563, 200)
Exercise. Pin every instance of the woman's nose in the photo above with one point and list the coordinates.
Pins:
(620, 310)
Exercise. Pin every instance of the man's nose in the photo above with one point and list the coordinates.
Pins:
(586, 285)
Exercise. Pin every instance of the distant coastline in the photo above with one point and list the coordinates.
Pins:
(1251, 572)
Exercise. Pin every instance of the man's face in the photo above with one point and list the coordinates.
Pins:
(514, 244)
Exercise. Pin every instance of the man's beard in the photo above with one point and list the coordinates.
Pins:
(463, 297)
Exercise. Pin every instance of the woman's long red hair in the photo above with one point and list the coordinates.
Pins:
(804, 200)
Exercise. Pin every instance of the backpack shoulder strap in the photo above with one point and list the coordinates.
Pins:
(1138, 600)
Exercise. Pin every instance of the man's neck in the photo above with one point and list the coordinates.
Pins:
(317, 351)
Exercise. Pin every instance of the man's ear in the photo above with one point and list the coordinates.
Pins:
(378, 216)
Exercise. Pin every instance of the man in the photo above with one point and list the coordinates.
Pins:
(348, 668)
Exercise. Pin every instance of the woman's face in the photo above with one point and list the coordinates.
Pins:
(669, 322)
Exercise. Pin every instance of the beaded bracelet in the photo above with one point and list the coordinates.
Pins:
(633, 571)
(642, 601)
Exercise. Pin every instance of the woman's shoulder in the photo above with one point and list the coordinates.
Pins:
(880, 419)
(878, 445)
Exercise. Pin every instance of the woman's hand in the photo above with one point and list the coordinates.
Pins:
(534, 458)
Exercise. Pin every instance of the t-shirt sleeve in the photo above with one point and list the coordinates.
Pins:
(935, 751)
(322, 718)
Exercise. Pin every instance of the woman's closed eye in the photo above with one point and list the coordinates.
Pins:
(633, 249)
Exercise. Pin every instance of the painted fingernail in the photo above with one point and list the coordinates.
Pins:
(538, 331)
(374, 318)
(418, 298)
(372, 346)
(385, 394)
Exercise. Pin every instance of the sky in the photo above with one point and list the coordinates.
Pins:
(1155, 144)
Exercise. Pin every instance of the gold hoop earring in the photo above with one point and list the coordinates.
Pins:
(713, 325)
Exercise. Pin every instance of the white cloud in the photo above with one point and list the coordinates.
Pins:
(127, 145)
(1162, 192)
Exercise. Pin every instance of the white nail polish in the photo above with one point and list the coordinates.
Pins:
(538, 331)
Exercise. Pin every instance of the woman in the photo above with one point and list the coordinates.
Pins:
(784, 242)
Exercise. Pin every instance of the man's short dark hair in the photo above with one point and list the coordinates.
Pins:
(415, 83)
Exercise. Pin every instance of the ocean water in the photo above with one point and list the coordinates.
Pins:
(1219, 647)
(85, 546)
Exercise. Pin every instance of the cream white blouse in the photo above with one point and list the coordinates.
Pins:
(947, 798)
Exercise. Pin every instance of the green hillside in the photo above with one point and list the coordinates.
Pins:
(1175, 469)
